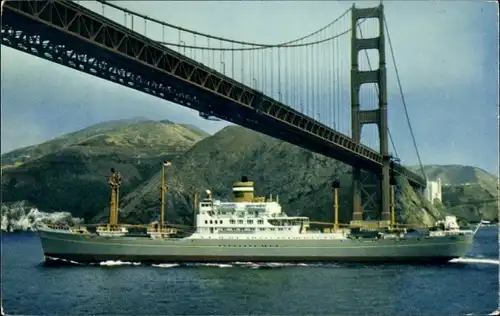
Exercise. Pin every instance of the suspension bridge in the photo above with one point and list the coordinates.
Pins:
(294, 90)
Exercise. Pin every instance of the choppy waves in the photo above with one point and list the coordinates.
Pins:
(20, 217)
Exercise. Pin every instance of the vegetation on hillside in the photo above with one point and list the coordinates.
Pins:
(70, 172)
(301, 179)
(468, 192)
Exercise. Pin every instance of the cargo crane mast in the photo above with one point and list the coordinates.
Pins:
(114, 182)
(161, 230)
(112, 229)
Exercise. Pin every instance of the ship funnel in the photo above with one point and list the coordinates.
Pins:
(243, 190)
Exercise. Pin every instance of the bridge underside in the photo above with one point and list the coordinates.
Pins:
(26, 32)
(87, 57)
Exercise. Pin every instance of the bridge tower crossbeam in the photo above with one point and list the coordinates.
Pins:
(363, 117)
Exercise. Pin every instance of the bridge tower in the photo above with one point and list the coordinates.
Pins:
(363, 117)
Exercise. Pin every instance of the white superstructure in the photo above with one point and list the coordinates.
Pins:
(249, 217)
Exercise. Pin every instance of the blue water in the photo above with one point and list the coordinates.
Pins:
(31, 288)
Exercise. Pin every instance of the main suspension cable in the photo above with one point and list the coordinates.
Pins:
(108, 3)
(403, 98)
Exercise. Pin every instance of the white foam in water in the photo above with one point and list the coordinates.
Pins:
(475, 260)
(220, 265)
(495, 313)
(112, 263)
(166, 265)
(243, 263)
(255, 265)
(63, 260)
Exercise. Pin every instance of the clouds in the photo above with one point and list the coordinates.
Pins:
(444, 52)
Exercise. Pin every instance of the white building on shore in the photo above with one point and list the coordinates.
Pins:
(433, 191)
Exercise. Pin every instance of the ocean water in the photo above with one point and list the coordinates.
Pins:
(464, 286)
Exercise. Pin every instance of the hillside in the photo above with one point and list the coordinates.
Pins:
(134, 135)
(22, 155)
(468, 192)
(300, 178)
(456, 174)
(69, 173)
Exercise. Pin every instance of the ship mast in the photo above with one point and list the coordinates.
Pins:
(392, 182)
(163, 191)
(114, 182)
(336, 186)
(195, 206)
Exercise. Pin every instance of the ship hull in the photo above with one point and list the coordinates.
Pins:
(85, 248)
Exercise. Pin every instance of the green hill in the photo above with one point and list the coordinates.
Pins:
(69, 173)
(301, 179)
(25, 154)
(468, 192)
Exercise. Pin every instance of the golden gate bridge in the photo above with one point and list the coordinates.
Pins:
(306, 91)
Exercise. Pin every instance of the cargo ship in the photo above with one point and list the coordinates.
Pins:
(252, 229)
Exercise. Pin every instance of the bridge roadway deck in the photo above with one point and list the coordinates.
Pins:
(69, 34)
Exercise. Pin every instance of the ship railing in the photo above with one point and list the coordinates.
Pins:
(162, 230)
(58, 226)
(110, 228)
(79, 230)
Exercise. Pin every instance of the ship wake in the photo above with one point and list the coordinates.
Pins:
(112, 263)
(476, 260)
(251, 265)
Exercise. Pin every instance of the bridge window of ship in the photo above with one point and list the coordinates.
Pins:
(260, 221)
(250, 221)
(206, 222)
(232, 221)
(240, 221)
(211, 222)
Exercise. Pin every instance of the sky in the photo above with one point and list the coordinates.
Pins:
(446, 54)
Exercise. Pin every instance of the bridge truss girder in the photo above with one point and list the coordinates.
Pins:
(71, 35)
